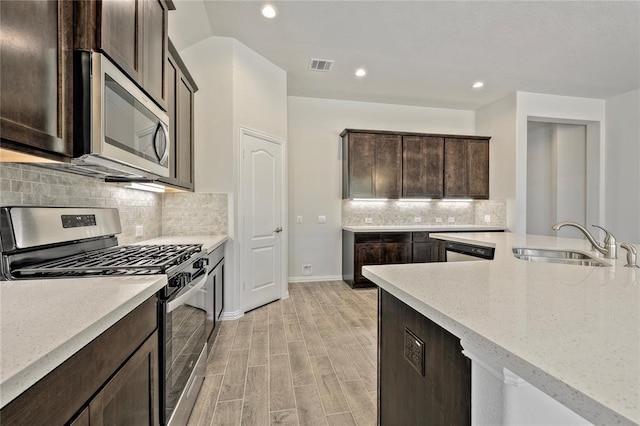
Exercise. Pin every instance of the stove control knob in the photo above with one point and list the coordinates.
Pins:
(201, 263)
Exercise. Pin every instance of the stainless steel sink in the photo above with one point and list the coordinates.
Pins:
(567, 257)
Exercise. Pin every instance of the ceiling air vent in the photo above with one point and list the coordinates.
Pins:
(324, 65)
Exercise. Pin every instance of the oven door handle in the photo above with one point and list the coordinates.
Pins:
(187, 294)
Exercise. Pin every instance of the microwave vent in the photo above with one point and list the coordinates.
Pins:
(323, 65)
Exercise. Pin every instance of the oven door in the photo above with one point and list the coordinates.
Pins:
(184, 351)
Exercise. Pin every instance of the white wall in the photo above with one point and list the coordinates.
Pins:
(540, 201)
(622, 166)
(556, 177)
(315, 168)
(567, 110)
(237, 87)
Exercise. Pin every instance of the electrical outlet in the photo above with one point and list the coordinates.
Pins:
(307, 270)
(368, 220)
(438, 220)
(487, 218)
(298, 219)
(139, 230)
(451, 220)
(417, 219)
(322, 219)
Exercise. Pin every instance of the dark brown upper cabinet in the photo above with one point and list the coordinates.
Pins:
(383, 164)
(181, 88)
(422, 165)
(36, 77)
(133, 33)
(372, 165)
(466, 168)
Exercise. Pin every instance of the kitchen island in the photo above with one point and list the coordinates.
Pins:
(572, 332)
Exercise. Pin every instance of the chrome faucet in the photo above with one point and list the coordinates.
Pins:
(609, 248)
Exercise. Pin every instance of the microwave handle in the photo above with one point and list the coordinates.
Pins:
(162, 157)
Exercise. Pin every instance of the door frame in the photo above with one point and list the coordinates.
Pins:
(284, 235)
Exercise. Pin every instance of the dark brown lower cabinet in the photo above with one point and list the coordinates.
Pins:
(423, 377)
(385, 248)
(113, 380)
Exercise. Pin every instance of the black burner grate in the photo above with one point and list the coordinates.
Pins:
(124, 260)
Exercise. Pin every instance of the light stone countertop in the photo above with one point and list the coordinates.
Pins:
(44, 322)
(571, 331)
(419, 228)
(209, 242)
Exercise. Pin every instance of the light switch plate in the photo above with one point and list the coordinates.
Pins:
(451, 220)
(368, 220)
(438, 220)
(139, 230)
(322, 219)
(487, 218)
(298, 219)
(417, 219)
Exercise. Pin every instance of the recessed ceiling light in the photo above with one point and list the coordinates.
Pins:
(361, 72)
(477, 85)
(269, 11)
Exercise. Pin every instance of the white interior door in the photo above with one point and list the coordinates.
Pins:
(262, 182)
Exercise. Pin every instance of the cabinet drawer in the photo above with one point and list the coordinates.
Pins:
(421, 237)
(366, 238)
(395, 237)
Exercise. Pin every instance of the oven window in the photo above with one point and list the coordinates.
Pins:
(185, 339)
(128, 124)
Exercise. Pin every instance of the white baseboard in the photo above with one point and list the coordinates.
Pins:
(308, 278)
(229, 316)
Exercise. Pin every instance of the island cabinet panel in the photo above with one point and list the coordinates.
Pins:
(372, 165)
(112, 380)
(422, 165)
(466, 168)
(423, 377)
(36, 77)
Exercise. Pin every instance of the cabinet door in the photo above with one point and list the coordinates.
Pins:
(361, 165)
(478, 165)
(172, 84)
(36, 77)
(366, 254)
(154, 49)
(396, 253)
(120, 35)
(184, 143)
(424, 253)
(388, 166)
(131, 396)
(422, 167)
(455, 168)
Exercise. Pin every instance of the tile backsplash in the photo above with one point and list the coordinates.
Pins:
(194, 214)
(402, 213)
(22, 184)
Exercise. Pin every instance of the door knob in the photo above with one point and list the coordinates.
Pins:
(278, 229)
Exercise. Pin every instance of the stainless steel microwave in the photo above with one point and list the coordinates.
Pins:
(120, 133)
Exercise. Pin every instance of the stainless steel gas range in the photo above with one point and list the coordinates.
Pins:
(63, 242)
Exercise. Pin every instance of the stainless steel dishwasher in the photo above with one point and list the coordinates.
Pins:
(461, 252)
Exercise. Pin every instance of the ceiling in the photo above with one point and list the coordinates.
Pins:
(428, 53)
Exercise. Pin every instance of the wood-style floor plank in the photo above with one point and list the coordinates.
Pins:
(307, 360)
